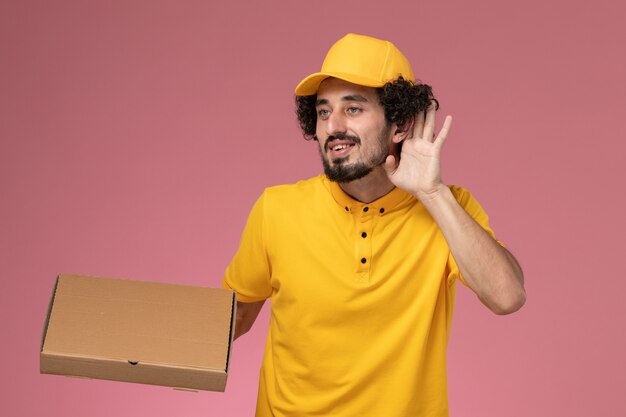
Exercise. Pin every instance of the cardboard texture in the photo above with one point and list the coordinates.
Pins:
(135, 331)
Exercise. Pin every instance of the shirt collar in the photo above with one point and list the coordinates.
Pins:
(385, 204)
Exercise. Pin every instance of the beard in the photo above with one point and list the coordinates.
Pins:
(341, 171)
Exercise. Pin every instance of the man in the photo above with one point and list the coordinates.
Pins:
(361, 263)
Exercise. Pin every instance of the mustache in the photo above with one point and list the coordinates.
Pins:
(342, 136)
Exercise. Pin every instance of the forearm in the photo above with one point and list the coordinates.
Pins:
(246, 316)
(487, 268)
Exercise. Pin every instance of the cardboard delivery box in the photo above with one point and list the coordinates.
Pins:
(152, 333)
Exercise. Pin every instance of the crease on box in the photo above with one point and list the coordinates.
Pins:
(233, 321)
(47, 322)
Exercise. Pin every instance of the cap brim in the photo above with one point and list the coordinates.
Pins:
(310, 84)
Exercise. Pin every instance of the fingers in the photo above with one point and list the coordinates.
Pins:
(443, 133)
(425, 126)
(429, 124)
(418, 130)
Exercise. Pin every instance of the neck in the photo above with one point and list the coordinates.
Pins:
(369, 188)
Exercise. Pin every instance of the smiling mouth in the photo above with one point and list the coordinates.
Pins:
(341, 146)
(340, 150)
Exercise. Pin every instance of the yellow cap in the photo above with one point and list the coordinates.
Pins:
(360, 60)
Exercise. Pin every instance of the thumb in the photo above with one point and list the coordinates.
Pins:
(390, 165)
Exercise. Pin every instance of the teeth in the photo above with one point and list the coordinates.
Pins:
(339, 147)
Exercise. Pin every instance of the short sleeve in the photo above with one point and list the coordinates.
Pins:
(249, 272)
(475, 210)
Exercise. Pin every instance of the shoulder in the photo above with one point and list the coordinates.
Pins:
(294, 194)
(470, 204)
(287, 206)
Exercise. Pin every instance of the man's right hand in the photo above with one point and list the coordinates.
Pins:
(246, 315)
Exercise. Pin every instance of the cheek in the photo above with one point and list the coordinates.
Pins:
(319, 128)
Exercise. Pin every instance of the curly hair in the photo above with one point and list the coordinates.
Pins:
(401, 100)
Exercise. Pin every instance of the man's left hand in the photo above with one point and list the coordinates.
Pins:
(419, 168)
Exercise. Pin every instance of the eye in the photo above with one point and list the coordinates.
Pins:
(353, 110)
(323, 113)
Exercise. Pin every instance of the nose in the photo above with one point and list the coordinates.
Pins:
(336, 123)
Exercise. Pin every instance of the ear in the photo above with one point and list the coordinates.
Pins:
(404, 131)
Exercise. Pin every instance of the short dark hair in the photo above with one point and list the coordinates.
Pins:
(401, 100)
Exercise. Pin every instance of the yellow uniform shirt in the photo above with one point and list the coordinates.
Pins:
(361, 301)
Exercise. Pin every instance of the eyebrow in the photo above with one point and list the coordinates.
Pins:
(355, 97)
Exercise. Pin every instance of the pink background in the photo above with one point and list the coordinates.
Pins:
(135, 136)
